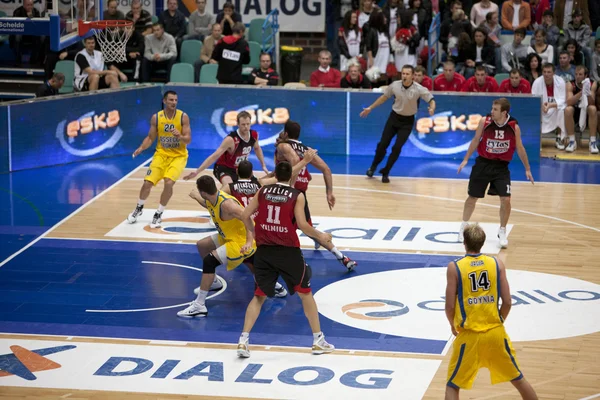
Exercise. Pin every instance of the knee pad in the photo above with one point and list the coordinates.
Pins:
(210, 264)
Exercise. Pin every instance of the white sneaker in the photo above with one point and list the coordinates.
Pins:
(461, 232)
(571, 147)
(132, 218)
(502, 237)
(280, 291)
(216, 285)
(243, 351)
(559, 143)
(193, 310)
(594, 147)
(320, 346)
(156, 220)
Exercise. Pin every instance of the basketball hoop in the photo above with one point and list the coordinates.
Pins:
(111, 35)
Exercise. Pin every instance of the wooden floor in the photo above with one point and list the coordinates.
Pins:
(556, 231)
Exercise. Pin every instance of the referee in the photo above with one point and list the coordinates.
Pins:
(401, 120)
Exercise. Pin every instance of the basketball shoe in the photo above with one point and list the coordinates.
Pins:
(132, 218)
(348, 263)
(461, 232)
(502, 238)
(320, 346)
(194, 310)
(242, 350)
(156, 220)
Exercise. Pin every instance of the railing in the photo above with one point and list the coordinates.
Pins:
(270, 39)
(433, 43)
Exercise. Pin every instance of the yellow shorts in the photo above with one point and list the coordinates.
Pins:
(165, 167)
(474, 350)
(229, 251)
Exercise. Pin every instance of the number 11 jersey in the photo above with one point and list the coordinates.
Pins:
(275, 223)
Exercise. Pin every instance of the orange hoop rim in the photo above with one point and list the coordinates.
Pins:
(86, 26)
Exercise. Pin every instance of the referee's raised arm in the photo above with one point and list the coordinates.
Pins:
(380, 100)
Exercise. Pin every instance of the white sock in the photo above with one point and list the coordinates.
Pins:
(278, 286)
(503, 229)
(337, 253)
(141, 202)
(161, 208)
(244, 337)
(592, 139)
(571, 138)
(316, 336)
(201, 296)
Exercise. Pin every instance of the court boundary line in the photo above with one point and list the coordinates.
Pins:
(68, 217)
(595, 396)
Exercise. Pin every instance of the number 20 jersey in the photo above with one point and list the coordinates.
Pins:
(167, 144)
(498, 142)
(275, 223)
(241, 150)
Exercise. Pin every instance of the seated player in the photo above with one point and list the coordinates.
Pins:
(481, 82)
(515, 84)
(450, 80)
(581, 108)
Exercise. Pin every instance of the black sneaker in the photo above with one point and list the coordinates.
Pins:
(132, 218)
(156, 220)
(370, 172)
(384, 176)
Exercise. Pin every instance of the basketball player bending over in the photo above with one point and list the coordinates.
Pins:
(496, 139)
(172, 126)
(474, 285)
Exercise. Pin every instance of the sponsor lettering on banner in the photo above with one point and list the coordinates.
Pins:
(545, 306)
(212, 372)
(353, 233)
(125, 6)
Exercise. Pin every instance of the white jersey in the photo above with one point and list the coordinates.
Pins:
(83, 60)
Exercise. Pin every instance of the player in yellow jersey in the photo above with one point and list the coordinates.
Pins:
(172, 127)
(222, 248)
(476, 283)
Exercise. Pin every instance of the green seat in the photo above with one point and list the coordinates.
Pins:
(190, 51)
(2, 14)
(154, 19)
(501, 77)
(67, 67)
(208, 73)
(182, 73)
(255, 51)
(255, 33)
(127, 84)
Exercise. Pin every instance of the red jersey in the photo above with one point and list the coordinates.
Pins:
(440, 84)
(275, 222)
(244, 190)
(472, 86)
(427, 83)
(303, 176)
(498, 142)
(507, 87)
(241, 150)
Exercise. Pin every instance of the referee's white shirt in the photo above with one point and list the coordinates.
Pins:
(406, 102)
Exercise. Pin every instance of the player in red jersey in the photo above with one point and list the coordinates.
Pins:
(422, 78)
(515, 84)
(481, 82)
(280, 212)
(496, 139)
(235, 148)
(450, 80)
(289, 148)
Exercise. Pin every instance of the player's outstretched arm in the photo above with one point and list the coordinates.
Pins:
(148, 140)
(226, 144)
(304, 226)
(504, 290)
(322, 166)
(451, 285)
(248, 223)
(186, 130)
(260, 156)
(523, 154)
(472, 146)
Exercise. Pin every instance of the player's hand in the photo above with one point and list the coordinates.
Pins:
(176, 132)
(431, 111)
(331, 200)
(137, 152)
(325, 238)
(194, 194)
(310, 155)
(462, 165)
(365, 112)
(246, 248)
(191, 175)
(545, 108)
(264, 168)
(454, 331)
(529, 176)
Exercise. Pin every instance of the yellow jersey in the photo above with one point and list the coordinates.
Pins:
(167, 144)
(478, 294)
(232, 229)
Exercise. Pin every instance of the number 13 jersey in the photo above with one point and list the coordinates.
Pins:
(241, 150)
(478, 294)
(498, 142)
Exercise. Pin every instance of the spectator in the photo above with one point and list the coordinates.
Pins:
(111, 12)
(532, 68)
(405, 42)
(134, 51)
(475, 53)
(514, 53)
(580, 32)
(541, 48)
(447, 21)
(391, 11)
(377, 46)
(449, 81)
(368, 7)
(334, 23)
(516, 14)
(492, 28)
(207, 50)
(575, 53)
(538, 8)
(420, 16)
(325, 76)
(460, 24)
(231, 53)
(422, 79)
(563, 11)
(265, 75)
(349, 40)
(449, 11)
(142, 20)
(480, 11)
(354, 79)
(552, 31)
(91, 72)
(565, 69)
(200, 22)
(160, 52)
(85, 10)
(580, 105)
(515, 84)
(52, 57)
(173, 22)
(595, 64)
(17, 42)
(481, 82)
(51, 86)
(228, 18)
(553, 91)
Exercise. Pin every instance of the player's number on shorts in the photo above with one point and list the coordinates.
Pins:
(479, 282)
(507, 189)
(273, 210)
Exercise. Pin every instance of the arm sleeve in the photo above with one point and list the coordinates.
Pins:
(172, 50)
(246, 55)
(147, 48)
(273, 79)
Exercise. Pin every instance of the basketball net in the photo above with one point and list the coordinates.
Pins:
(112, 36)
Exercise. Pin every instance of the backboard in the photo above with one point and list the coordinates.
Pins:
(65, 16)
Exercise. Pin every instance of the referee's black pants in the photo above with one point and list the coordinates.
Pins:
(396, 125)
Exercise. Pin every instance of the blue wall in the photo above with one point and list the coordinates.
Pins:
(330, 122)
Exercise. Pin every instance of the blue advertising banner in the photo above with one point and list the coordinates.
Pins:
(4, 149)
(213, 112)
(446, 134)
(25, 26)
(81, 128)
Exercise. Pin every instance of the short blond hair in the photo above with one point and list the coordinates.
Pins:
(474, 238)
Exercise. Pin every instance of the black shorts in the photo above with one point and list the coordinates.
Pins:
(270, 262)
(492, 173)
(101, 84)
(219, 171)
(306, 209)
